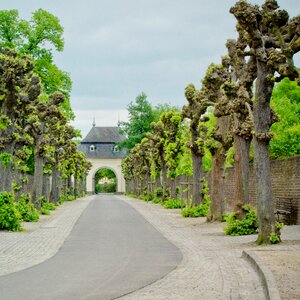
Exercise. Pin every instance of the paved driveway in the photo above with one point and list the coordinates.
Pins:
(111, 251)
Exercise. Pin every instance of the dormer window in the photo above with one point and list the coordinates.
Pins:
(92, 148)
(116, 148)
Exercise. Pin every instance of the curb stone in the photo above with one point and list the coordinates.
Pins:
(265, 274)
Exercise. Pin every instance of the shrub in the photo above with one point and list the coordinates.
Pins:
(48, 206)
(45, 211)
(174, 203)
(158, 192)
(70, 197)
(275, 235)
(156, 200)
(10, 218)
(150, 196)
(26, 209)
(131, 195)
(143, 197)
(245, 226)
(197, 211)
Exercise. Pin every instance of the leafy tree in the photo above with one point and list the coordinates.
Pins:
(286, 104)
(37, 37)
(273, 39)
(196, 108)
(141, 115)
(219, 139)
(239, 94)
(172, 144)
(19, 88)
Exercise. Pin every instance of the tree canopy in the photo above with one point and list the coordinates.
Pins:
(37, 38)
(286, 133)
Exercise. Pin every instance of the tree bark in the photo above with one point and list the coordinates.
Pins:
(37, 192)
(6, 172)
(197, 197)
(164, 180)
(46, 186)
(262, 123)
(217, 186)
(55, 187)
(217, 208)
(241, 173)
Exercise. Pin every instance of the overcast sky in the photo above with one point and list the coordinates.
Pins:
(116, 49)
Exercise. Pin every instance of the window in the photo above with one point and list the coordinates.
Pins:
(116, 148)
(92, 148)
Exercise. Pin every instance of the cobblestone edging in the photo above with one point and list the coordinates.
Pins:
(42, 240)
(265, 274)
(212, 265)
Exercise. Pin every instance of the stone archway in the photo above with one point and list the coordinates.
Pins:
(112, 164)
(111, 188)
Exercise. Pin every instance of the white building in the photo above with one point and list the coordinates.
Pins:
(100, 148)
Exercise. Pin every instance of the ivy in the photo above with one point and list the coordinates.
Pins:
(6, 159)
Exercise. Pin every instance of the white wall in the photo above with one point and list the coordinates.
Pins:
(113, 164)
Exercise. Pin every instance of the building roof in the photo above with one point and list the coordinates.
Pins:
(103, 135)
(101, 150)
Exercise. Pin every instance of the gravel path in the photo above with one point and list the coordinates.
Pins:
(212, 266)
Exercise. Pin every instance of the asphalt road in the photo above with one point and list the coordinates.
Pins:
(111, 251)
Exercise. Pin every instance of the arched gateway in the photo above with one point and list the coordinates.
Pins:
(100, 148)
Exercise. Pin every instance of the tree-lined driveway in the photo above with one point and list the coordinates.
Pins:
(111, 251)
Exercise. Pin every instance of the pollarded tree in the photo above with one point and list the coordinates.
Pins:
(18, 89)
(172, 144)
(239, 95)
(136, 166)
(156, 137)
(220, 140)
(196, 108)
(273, 39)
(62, 136)
(43, 116)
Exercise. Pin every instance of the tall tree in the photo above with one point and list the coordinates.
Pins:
(141, 115)
(19, 88)
(239, 96)
(273, 39)
(221, 138)
(194, 110)
(37, 38)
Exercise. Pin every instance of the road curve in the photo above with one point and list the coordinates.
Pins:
(111, 251)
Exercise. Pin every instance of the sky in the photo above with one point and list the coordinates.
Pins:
(116, 49)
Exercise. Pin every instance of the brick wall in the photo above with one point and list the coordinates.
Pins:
(285, 176)
(285, 187)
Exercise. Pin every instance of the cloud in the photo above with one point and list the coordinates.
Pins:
(84, 118)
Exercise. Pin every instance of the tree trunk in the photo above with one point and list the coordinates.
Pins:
(6, 172)
(172, 188)
(217, 208)
(76, 192)
(217, 186)
(37, 192)
(70, 185)
(262, 123)
(46, 186)
(197, 179)
(241, 173)
(54, 185)
(164, 180)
